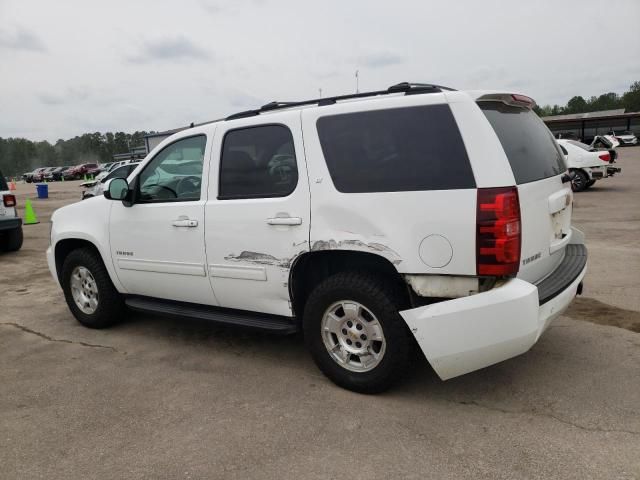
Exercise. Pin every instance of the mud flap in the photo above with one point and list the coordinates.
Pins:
(462, 335)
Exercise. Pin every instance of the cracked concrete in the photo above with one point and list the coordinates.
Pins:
(193, 400)
(548, 415)
(61, 340)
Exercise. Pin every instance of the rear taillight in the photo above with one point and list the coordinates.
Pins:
(523, 99)
(498, 231)
(9, 200)
(605, 157)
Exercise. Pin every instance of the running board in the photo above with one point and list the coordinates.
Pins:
(227, 316)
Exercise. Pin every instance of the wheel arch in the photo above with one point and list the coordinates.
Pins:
(310, 268)
(65, 246)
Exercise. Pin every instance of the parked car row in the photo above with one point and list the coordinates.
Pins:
(68, 172)
(611, 140)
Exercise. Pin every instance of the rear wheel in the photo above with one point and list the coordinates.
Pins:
(88, 290)
(590, 183)
(579, 182)
(12, 240)
(354, 331)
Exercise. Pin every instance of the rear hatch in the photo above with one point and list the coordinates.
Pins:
(538, 166)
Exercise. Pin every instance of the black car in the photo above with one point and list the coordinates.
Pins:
(58, 173)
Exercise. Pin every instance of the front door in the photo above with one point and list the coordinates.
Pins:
(257, 216)
(157, 245)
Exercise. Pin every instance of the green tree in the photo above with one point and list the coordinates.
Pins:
(577, 104)
(631, 99)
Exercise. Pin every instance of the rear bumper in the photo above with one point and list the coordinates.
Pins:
(465, 334)
(10, 223)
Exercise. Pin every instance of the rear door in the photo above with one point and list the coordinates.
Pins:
(545, 201)
(257, 216)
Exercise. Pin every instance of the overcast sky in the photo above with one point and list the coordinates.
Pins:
(70, 67)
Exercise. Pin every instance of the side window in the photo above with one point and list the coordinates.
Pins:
(175, 173)
(395, 150)
(258, 162)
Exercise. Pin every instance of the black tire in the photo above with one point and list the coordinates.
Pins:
(110, 308)
(384, 300)
(590, 184)
(12, 240)
(579, 182)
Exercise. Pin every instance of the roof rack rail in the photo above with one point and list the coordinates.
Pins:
(407, 87)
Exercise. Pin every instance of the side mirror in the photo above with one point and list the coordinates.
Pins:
(117, 189)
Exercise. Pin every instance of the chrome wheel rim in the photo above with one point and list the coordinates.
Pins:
(84, 290)
(353, 336)
(577, 182)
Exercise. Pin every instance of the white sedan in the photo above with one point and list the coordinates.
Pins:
(586, 164)
(95, 187)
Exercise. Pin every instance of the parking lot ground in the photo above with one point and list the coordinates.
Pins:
(164, 398)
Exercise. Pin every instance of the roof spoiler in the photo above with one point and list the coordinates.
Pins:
(513, 99)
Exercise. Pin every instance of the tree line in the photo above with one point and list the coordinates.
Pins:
(629, 100)
(19, 155)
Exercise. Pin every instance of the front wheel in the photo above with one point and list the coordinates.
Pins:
(354, 331)
(88, 290)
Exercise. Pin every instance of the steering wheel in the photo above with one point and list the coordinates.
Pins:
(173, 192)
(282, 166)
(184, 183)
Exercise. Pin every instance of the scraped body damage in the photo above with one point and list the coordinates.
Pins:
(465, 334)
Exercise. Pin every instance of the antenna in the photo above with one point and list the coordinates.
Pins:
(357, 82)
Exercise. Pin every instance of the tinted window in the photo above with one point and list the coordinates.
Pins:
(531, 149)
(258, 162)
(3, 183)
(175, 173)
(400, 149)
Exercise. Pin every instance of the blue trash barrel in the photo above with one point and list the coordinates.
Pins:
(43, 190)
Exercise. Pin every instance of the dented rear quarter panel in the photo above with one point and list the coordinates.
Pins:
(389, 224)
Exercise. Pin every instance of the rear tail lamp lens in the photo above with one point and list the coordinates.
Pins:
(9, 200)
(498, 231)
(605, 157)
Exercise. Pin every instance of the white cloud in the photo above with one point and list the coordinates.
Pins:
(81, 66)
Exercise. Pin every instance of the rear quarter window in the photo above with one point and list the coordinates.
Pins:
(530, 147)
(392, 150)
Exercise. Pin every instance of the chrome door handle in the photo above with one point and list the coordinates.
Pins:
(284, 221)
(185, 222)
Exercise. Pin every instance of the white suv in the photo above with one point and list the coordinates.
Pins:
(10, 223)
(372, 222)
